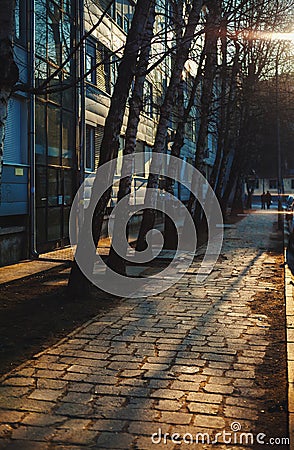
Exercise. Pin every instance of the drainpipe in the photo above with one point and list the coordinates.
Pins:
(31, 131)
(82, 94)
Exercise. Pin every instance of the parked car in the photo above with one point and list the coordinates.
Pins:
(289, 207)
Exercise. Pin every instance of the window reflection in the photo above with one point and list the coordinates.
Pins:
(54, 224)
(55, 122)
(53, 132)
(67, 139)
(40, 145)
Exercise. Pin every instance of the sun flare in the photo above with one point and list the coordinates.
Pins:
(275, 36)
(282, 36)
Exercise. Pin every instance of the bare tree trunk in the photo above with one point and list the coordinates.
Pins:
(9, 71)
(231, 131)
(170, 235)
(212, 35)
(78, 283)
(116, 262)
(237, 204)
(222, 120)
(165, 111)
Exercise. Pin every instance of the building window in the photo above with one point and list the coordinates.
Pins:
(114, 71)
(119, 19)
(91, 62)
(15, 147)
(100, 66)
(273, 184)
(19, 21)
(103, 69)
(90, 148)
(126, 24)
(122, 12)
(41, 133)
(292, 184)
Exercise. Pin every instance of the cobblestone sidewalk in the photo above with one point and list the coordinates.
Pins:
(183, 362)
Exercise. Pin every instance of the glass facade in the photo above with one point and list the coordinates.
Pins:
(55, 122)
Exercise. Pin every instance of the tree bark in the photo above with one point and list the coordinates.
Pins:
(170, 235)
(115, 261)
(212, 35)
(9, 71)
(231, 130)
(78, 283)
(165, 111)
(223, 101)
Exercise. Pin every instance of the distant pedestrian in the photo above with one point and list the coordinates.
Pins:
(268, 199)
(263, 200)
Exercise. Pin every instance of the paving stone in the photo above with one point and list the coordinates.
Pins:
(203, 408)
(42, 383)
(157, 384)
(242, 382)
(73, 409)
(202, 397)
(123, 365)
(108, 425)
(220, 380)
(23, 404)
(45, 394)
(42, 420)
(209, 421)
(176, 418)
(155, 367)
(168, 394)
(78, 397)
(145, 443)
(14, 391)
(11, 416)
(147, 428)
(49, 374)
(219, 388)
(5, 431)
(240, 413)
(32, 433)
(185, 386)
(130, 414)
(70, 436)
(113, 441)
(80, 424)
(168, 405)
(131, 373)
(213, 372)
(219, 365)
(80, 387)
(19, 381)
(185, 369)
(26, 372)
(239, 374)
